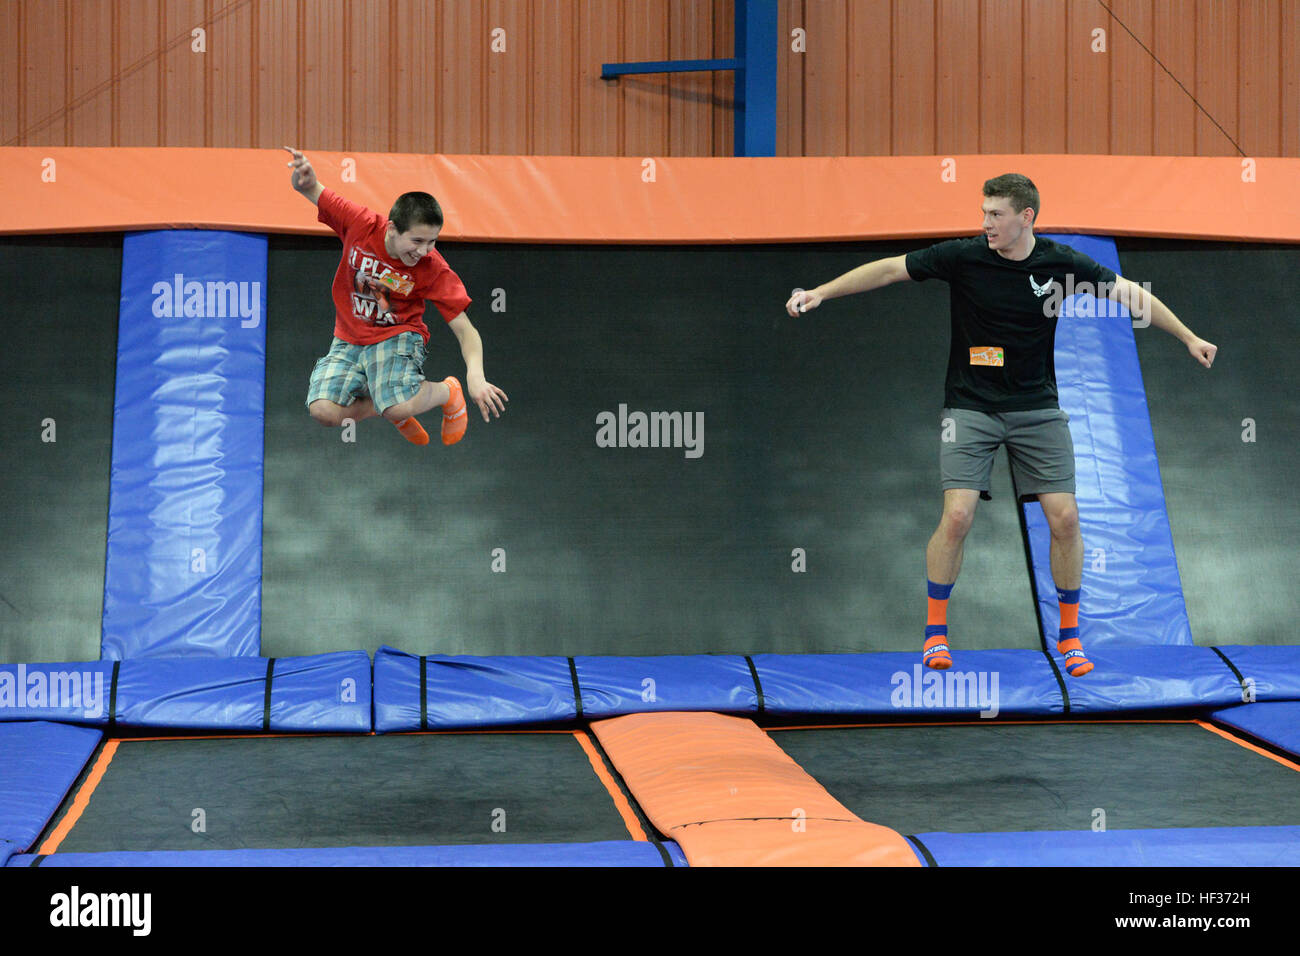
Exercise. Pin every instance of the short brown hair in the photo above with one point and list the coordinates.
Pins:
(1019, 189)
(413, 209)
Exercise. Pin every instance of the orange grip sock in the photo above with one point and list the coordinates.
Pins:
(413, 431)
(454, 416)
(937, 613)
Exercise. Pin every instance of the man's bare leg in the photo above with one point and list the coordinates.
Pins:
(1062, 514)
(942, 563)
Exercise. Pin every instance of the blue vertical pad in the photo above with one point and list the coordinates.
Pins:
(183, 575)
(39, 761)
(1131, 593)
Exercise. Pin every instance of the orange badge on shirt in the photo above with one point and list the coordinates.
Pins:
(986, 355)
(404, 286)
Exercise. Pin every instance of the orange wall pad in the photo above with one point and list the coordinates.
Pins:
(729, 796)
(651, 199)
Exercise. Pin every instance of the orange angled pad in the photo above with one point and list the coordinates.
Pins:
(729, 796)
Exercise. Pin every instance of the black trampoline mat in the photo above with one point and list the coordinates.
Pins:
(393, 790)
(1004, 777)
(801, 527)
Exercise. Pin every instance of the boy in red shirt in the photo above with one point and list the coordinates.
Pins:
(376, 364)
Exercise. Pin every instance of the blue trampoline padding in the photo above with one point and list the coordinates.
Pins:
(226, 694)
(470, 691)
(896, 684)
(184, 559)
(1139, 678)
(39, 761)
(7, 849)
(1270, 671)
(77, 692)
(611, 853)
(1225, 846)
(1276, 723)
(1131, 594)
(500, 691)
(612, 686)
(326, 693)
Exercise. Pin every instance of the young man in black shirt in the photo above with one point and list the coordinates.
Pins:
(1007, 286)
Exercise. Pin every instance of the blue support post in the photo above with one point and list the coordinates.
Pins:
(755, 68)
(756, 78)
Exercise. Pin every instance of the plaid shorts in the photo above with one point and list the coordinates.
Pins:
(390, 372)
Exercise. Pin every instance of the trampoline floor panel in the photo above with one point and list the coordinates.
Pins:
(335, 791)
(973, 778)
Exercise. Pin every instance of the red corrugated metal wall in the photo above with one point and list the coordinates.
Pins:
(874, 77)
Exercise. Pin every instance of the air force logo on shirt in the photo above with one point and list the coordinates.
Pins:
(1041, 290)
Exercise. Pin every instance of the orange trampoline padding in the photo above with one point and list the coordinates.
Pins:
(729, 796)
(666, 199)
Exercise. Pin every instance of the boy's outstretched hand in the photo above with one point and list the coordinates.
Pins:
(486, 396)
(303, 178)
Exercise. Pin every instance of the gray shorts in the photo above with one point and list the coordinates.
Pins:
(1038, 445)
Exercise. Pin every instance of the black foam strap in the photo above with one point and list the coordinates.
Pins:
(424, 692)
(577, 691)
(266, 699)
(112, 695)
(758, 684)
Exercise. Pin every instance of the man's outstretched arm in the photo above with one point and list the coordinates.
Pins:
(864, 278)
(1148, 310)
(303, 178)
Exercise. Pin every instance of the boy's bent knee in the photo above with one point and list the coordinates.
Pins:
(401, 411)
(326, 412)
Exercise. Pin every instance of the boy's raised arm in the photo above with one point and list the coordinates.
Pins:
(303, 178)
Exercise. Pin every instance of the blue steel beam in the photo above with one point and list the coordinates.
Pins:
(608, 70)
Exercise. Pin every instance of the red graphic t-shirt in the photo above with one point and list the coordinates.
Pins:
(376, 296)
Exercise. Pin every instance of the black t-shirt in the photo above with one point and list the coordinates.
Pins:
(1005, 312)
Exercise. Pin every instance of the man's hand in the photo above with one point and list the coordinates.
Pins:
(303, 178)
(868, 276)
(486, 396)
(802, 301)
(1202, 351)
